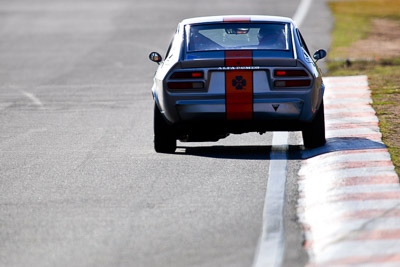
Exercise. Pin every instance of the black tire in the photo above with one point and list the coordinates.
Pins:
(314, 134)
(164, 135)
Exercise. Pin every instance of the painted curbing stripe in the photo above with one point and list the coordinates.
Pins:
(372, 137)
(355, 164)
(352, 120)
(350, 155)
(344, 105)
(360, 79)
(361, 95)
(379, 235)
(350, 115)
(347, 196)
(337, 126)
(347, 211)
(367, 261)
(345, 88)
(365, 196)
(362, 151)
(349, 110)
(344, 198)
(354, 211)
(347, 101)
(370, 214)
(374, 180)
(336, 175)
(350, 161)
(355, 189)
(352, 250)
(320, 235)
(360, 188)
(363, 181)
(354, 132)
(359, 92)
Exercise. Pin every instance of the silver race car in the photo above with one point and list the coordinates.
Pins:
(237, 74)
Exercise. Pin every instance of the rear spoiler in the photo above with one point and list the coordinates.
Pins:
(220, 62)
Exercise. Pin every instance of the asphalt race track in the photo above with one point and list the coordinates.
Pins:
(80, 182)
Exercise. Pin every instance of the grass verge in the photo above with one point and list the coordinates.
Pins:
(353, 22)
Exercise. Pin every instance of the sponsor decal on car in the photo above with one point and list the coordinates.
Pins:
(240, 68)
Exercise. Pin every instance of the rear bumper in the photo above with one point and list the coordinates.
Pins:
(221, 128)
(198, 110)
(208, 117)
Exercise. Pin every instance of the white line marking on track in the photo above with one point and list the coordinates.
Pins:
(271, 245)
(302, 11)
(36, 101)
(270, 249)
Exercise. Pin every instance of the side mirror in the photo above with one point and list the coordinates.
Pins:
(320, 54)
(155, 57)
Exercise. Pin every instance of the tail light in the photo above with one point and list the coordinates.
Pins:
(186, 80)
(187, 75)
(290, 73)
(185, 85)
(292, 83)
(291, 78)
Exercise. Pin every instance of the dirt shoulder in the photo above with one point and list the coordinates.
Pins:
(382, 42)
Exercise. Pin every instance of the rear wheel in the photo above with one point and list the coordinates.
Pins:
(314, 135)
(164, 135)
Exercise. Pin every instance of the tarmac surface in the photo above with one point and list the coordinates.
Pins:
(80, 182)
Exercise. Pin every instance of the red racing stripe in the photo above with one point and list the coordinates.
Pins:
(233, 19)
(238, 58)
(239, 86)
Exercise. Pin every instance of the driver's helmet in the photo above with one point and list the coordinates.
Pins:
(272, 33)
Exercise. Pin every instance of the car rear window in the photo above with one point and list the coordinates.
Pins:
(237, 36)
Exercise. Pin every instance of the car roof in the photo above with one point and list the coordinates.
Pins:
(237, 18)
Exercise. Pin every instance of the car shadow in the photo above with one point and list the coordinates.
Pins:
(295, 152)
(342, 144)
(228, 152)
